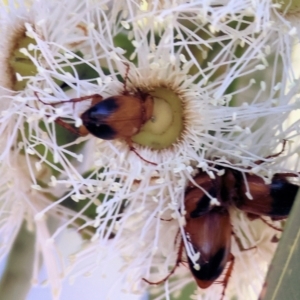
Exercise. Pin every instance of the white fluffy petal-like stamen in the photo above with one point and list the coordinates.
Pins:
(236, 85)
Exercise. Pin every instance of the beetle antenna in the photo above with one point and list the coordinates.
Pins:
(72, 100)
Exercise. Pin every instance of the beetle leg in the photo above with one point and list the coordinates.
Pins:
(271, 225)
(167, 220)
(176, 237)
(131, 147)
(280, 152)
(258, 162)
(227, 275)
(81, 131)
(178, 261)
(95, 97)
(125, 92)
(275, 239)
(241, 247)
(149, 162)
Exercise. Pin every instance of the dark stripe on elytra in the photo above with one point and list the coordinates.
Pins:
(203, 205)
(103, 109)
(103, 131)
(95, 119)
(238, 195)
(283, 194)
(211, 270)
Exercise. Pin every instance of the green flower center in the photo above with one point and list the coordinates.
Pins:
(288, 6)
(20, 64)
(166, 125)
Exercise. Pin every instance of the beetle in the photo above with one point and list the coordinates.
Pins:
(208, 228)
(274, 200)
(208, 225)
(210, 235)
(117, 117)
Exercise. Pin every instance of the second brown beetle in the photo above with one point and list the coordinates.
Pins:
(208, 228)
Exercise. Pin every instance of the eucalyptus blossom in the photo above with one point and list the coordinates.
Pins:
(223, 87)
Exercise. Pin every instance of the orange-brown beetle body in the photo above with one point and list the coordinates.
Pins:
(210, 235)
(208, 227)
(118, 116)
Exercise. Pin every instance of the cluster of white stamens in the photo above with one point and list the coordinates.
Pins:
(229, 66)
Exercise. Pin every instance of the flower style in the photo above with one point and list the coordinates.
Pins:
(220, 98)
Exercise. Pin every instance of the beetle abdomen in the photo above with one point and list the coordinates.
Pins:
(210, 235)
(274, 200)
(95, 119)
(210, 270)
(283, 194)
(102, 131)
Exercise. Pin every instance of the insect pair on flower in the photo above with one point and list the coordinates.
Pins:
(208, 227)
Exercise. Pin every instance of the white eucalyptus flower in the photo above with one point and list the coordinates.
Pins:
(221, 127)
(24, 145)
(221, 83)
